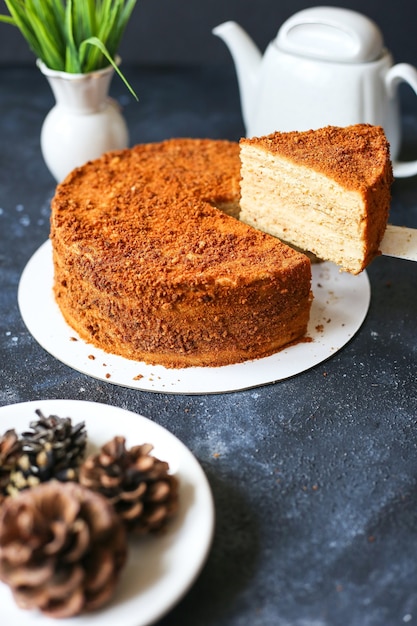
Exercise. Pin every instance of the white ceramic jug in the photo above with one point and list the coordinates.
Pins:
(84, 123)
(327, 65)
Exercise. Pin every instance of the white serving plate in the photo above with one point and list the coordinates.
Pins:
(341, 302)
(160, 570)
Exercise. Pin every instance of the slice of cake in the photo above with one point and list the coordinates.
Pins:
(327, 191)
(147, 264)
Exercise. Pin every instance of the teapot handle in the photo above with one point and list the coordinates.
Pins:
(402, 72)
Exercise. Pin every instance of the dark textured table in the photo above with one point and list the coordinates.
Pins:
(314, 478)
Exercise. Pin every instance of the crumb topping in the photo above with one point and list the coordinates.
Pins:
(353, 159)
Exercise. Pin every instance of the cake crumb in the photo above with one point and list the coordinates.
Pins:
(138, 377)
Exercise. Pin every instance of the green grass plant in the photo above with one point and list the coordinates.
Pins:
(75, 36)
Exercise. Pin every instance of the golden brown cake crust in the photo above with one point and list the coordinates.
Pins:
(146, 265)
(354, 156)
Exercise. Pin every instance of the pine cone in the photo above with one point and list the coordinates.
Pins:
(62, 548)
(137, 484)
(54, 448)
(10, 450)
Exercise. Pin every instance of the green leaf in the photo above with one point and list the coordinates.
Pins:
(94, 41)
(76, 36)
(36, 32)
(72, 60)
(7, 19)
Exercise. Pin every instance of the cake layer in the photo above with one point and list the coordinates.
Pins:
(147, 266)
(325, 191)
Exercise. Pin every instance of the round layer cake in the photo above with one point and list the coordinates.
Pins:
(150, 264)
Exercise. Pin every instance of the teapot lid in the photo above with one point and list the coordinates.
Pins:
(331, 34)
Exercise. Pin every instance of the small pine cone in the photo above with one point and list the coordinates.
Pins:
(62, 548)
(54, 448)
(137, 484)
(10, 451)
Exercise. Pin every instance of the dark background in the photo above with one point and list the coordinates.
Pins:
(164, 32)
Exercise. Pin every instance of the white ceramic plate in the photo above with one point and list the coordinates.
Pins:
(160, 570)
(340, 305)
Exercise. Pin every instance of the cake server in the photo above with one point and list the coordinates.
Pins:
(400, 242)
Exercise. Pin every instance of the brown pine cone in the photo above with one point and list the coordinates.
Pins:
(137, 484)
(53, 448)
(10, 450)
(62, 548)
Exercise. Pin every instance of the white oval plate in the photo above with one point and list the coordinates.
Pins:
(160, 570)
(341, 302)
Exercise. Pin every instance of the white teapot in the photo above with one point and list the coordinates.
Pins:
(327, 65)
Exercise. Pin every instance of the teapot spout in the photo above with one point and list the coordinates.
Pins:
(247, 59)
